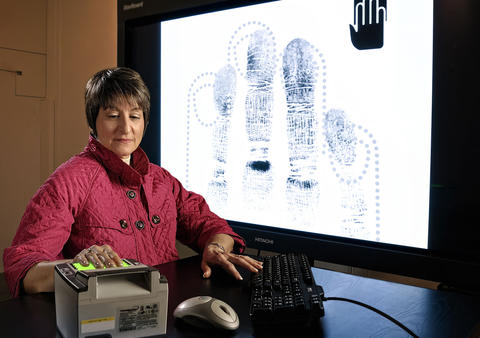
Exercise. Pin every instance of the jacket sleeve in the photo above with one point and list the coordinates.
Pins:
(196, 223)
(45, 226)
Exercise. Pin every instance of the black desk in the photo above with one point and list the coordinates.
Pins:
(427, 312)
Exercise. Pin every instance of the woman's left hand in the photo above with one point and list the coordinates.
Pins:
(214, 254)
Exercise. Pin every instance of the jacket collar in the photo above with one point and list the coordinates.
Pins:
(131, 175)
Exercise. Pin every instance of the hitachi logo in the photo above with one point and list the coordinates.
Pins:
(264, 240)
(133, 6)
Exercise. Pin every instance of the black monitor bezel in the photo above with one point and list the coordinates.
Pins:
(446, 260)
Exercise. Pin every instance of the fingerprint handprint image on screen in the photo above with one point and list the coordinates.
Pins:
(303, 74)
(263, 136)
(300, 77)
(343, 148)
(224, 92)
(367, 30)
(257, 176)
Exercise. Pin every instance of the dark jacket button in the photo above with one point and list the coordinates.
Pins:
(123, 224)
(155, 219)
(140, 225)
(131, 194)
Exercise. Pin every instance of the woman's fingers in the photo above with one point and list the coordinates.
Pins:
(215, 256)
(228, 261)
(117, 261)
(92, 256)
(207, 271)
(246, 262)
(111, 257)
(99, 256)
(224, 261)
(81, 258)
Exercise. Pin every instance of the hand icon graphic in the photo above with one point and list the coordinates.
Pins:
(369, 17)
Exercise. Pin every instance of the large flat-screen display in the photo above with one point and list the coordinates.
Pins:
(281, 118)
(310, 125)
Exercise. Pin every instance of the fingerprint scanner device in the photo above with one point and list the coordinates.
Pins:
(127, 301)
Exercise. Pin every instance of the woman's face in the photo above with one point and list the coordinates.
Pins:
(120, 128)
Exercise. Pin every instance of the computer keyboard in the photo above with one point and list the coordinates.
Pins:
(284, 292)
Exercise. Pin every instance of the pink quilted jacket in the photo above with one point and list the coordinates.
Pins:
(95, 198)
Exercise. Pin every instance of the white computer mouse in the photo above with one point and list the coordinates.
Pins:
(207, 312)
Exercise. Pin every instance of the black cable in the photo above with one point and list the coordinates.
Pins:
(410, 332)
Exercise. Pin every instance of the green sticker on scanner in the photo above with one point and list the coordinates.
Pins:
(90, 266)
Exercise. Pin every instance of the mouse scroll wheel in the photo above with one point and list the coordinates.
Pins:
(223, 311)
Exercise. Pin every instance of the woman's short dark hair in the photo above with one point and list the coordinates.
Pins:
(108, 85)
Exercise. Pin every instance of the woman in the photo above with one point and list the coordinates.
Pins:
(109, 201)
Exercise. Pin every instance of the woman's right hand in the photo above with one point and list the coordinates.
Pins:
(99, 256)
